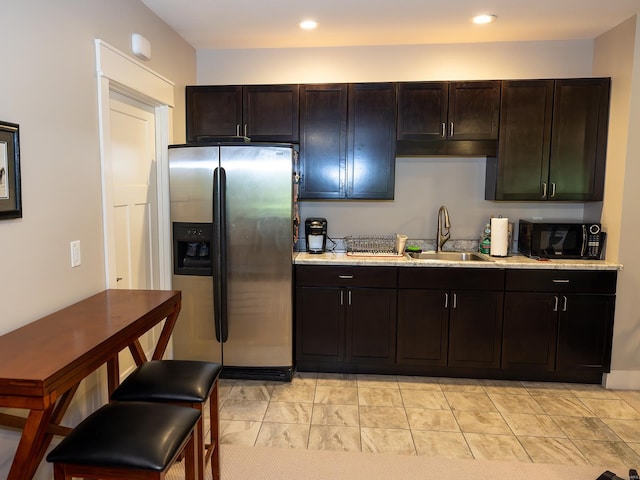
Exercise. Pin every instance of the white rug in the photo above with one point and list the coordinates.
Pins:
(262, 463)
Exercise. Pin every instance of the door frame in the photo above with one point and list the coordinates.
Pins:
(118, 72)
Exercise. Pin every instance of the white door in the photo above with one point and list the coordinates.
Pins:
(134, 183)
(134, 202)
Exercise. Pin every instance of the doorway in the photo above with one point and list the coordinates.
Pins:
(134, 106)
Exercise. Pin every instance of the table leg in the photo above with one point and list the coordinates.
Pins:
(40, 422)
(167, 330)
(32, 442)
(113, 374)
(137, 352)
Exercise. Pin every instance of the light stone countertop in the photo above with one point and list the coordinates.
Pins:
(513, 261)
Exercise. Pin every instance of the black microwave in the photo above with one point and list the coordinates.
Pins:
(544, 239)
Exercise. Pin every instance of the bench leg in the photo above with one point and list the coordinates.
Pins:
(215, 444)
(190, 460)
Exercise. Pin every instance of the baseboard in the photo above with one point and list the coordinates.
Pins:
(282, 374)
(622, 380)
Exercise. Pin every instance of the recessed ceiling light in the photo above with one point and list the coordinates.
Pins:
(485, 18)
(308, 24)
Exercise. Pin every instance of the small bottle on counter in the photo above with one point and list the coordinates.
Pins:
(485, 240)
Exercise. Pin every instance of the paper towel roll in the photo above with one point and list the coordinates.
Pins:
(499, 237)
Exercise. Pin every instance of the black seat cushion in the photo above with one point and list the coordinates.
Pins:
(138, 435)
(169, 381)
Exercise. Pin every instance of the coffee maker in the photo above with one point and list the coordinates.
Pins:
(316, 234)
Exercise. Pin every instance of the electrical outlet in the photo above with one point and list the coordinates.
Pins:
(75, 253)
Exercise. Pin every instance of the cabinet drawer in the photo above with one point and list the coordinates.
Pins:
(448, 278)
(339, 276)
(561, 281)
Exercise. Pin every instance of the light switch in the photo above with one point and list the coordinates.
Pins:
(75, 253)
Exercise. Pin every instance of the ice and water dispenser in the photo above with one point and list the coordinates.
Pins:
(192, 248)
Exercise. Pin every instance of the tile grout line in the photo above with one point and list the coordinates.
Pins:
(570, 393)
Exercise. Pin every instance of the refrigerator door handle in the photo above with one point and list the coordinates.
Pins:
(220, 266)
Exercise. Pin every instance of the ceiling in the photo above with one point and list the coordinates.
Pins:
(226, 24)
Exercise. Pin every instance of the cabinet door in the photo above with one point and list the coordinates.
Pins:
(422, 110)
(323, 141)
(530, 331)
(474, 110)
(585, 332)
(270, 113)
(320, 326)
(423, 327)
(371, 325)
(578, 141)
(371, 141)
(213, 111)
(523, 148)
(475, 329)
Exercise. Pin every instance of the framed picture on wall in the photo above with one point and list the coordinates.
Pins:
(10, 195)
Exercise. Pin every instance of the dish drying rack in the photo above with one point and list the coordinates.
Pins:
(372, 246)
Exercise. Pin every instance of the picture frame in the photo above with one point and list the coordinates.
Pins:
(10, 183)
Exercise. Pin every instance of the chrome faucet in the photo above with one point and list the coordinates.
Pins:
(443, 223)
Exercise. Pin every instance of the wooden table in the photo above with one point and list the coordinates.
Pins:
(43, 363)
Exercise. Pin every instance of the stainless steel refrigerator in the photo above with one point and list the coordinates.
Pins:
(232, 220)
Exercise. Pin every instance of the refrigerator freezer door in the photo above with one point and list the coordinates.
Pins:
(259, 247)
(191, 192)
(191, 183)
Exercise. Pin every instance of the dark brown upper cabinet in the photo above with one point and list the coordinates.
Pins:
(264, 113)
(347, 141)
(553, 137)
(432, 113)
(371, 152)
(323, 141)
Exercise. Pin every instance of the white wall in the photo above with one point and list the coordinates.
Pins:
(48, 87)
(618, 54)
(422, 184)
(396, 63)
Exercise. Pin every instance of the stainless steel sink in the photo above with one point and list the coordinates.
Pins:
(450, 256)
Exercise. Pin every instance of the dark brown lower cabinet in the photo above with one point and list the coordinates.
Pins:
(475, 329)
(585, 329)
(567, 329)
(371, 325)
(320, 324)
(453, 318)
(551, 325)
(530, 331)
(339, 326)
(423, 327)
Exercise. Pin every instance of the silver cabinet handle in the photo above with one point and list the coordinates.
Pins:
(555, 303)
(444, 130)
(455, 300)
(560, 280)
(245, 129)
(451, 130)
(446, 300)
(553, 190)
(349, 297)
(237, 129)
(341, 297)
(564, 303)
(544, 189)
(345, 276)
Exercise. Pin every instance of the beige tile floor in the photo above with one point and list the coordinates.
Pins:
(455, 418)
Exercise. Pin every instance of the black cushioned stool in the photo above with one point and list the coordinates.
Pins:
(186, 383)
(132, 440)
